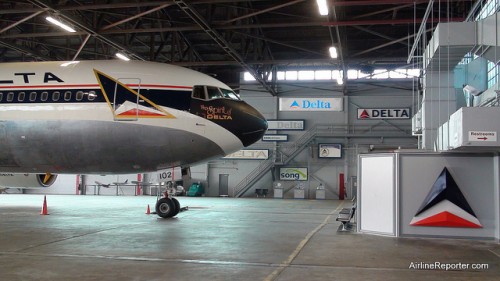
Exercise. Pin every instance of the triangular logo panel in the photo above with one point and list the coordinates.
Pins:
(123, 100)
(294, 104)
(364, 115)
(445, 206)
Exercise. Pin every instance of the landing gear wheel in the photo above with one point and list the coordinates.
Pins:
(177, 207)
(166, 208)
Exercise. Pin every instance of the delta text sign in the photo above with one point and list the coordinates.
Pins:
(383, 113)
(311, 104)
(249, 154)
(285, 125)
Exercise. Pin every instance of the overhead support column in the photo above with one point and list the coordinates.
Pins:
(438, 103)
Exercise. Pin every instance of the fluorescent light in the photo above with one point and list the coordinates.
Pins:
(69, 63)
(323, 7)
(122, 57)
(333, 52)
(60, 24)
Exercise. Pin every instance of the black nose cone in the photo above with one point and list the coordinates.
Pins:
(256, 126)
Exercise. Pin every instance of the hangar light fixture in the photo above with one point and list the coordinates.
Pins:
(60, 24)
(333, 52)
(323, 7)
(122, 56)
(69, 63)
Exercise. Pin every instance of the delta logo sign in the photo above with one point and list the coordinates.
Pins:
(445, 206)
(383, 113)
(311, 104)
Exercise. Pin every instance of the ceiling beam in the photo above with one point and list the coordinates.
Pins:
(231, 27)
(135, 17)
(198, 19)
(20, 21)
(263, 11)
(86, 29)
(388, 2)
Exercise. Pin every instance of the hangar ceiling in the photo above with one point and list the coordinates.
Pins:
(222, 37)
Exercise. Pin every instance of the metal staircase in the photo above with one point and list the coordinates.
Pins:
(286, 154)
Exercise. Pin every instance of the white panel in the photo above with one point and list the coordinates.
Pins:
(311, 104)
(377, 194)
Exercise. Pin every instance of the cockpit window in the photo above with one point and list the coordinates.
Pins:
(199, 92)
(229, 94)
(213, 93)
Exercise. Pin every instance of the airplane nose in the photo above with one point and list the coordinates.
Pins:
(254, 128)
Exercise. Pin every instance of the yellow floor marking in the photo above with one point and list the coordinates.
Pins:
(301, 245)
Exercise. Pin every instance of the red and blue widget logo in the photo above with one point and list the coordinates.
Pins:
(445, 206)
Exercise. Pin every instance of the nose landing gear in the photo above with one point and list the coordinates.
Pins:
(168, 206)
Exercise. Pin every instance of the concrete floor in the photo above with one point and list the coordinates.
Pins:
(110, 238)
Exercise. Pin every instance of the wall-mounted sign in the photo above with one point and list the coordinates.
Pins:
(249, 154)
(383, 113)
(482, 136)
(330, 150)
(311, 104)
(275, 137)
(293, 174)
(285, 125)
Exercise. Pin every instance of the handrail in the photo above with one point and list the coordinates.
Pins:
(290, 151)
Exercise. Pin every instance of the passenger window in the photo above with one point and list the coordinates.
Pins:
(79, 95)
(1, 96)
(44, 96)
(199, 92)
(92, 96)
(20, 96)
(10, 96)
(56, 96)
(33, 96)
(67, 96)
(213, 93)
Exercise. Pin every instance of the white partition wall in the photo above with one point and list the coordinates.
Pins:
(377, 193)
(429, 194)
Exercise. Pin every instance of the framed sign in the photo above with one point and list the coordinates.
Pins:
(249, 154)
(285, 125)
(311, 104)
(330, 150)
(383, 113)
(275, 137)
(293, 174)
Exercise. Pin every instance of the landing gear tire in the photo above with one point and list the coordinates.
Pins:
(166, 208)
(177, 207)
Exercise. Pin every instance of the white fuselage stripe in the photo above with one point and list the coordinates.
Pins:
(183, 120)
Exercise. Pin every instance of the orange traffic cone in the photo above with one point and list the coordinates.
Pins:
(44, 211)
(148, 211)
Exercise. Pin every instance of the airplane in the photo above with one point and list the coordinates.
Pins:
(115, 117)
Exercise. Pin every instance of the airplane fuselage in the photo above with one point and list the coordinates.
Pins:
(117, 117)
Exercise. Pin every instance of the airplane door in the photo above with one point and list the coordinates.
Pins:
(223, 184)
(125, 100)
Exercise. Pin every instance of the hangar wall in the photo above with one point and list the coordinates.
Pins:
(356, 135)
